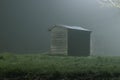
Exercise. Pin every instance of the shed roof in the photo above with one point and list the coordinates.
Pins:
(69, 27)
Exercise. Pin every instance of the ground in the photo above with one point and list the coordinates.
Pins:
(49, 67)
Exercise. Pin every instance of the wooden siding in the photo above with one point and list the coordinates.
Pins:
(59, 41)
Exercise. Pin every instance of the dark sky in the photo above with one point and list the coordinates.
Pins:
(24, 24)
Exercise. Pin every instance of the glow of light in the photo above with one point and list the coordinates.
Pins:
(110, 3)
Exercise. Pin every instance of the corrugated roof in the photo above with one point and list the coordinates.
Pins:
(76, 27)
(72, 27)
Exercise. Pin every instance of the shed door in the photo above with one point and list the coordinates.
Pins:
(59, 41)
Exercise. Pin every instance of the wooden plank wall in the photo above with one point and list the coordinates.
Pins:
(59, 41)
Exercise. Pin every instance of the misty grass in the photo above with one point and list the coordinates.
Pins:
(24, 64)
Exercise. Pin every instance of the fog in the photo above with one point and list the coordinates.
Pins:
(24, 24)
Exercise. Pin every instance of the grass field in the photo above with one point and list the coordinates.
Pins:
(46, 67)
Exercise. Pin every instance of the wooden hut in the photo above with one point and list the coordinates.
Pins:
(70, 40)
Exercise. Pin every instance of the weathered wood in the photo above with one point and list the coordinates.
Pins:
(59, 41)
